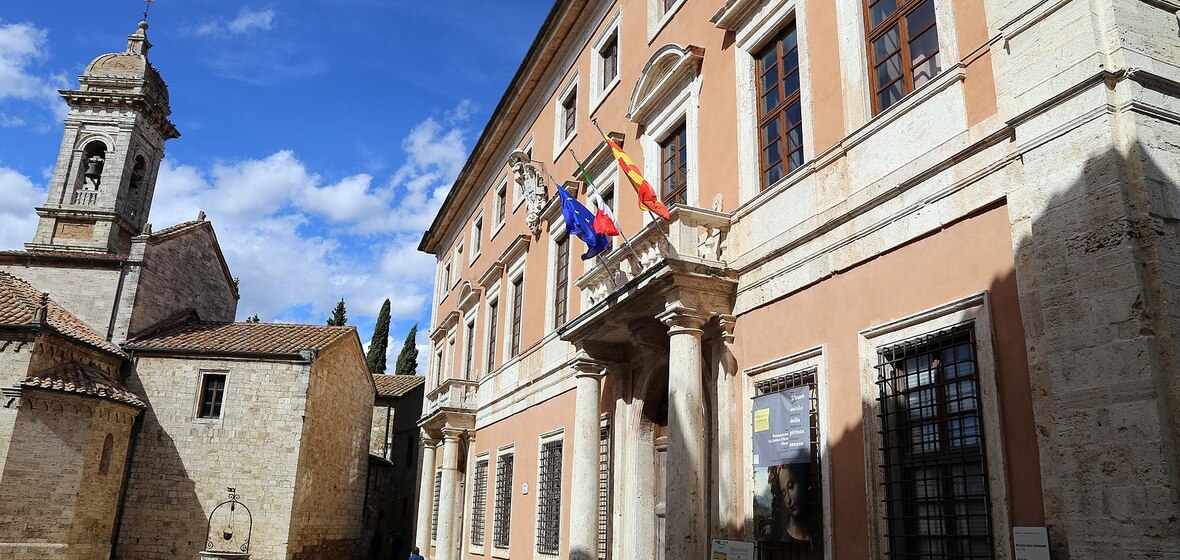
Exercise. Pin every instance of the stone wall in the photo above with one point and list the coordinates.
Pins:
(182, 464)
(16, 350)
(89, 293)
(180, 272)
(63, 476)
(326, 518)
(392, 499)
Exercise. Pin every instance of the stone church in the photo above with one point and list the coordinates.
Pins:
(133, 405)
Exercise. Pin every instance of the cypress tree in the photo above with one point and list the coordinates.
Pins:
(338, 317)
(253, 319)
(407, 360)
(380, 341)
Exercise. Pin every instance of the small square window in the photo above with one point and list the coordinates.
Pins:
(212, 395)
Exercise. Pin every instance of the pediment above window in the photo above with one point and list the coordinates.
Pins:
(734, 12)
(663, 77)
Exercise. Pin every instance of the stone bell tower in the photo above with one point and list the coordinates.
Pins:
(110, 154)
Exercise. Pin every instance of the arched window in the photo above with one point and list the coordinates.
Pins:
(90, 167)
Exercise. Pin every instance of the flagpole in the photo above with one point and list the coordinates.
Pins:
(601, 261)
(654, 218)
(602, 204)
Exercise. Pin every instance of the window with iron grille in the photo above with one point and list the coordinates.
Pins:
(903, 48)
(812, 549)
(469, 352)
(517, 307)
(561, 279)
(493, 318)
(549, 498)
(434, 512)
(604, 489)
(212, 395)
(501, 528)
(479, 502)
(780, 112)
(674, 166)
(936, 500)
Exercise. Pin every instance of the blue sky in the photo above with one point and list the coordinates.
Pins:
(319, 136)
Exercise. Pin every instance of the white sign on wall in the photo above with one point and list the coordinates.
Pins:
(1031, 543)
(732, 550)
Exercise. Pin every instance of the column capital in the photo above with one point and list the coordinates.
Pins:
(681, 319)
(452, 434)
(427, 442)
(585, 366)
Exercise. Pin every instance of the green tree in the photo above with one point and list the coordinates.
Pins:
(338, 315)
(253, 319)
(407, 360)
(380, 341)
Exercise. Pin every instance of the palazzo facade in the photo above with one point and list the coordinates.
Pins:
(949, 225)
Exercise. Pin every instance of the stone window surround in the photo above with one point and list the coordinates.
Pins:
(200, 395)
(658, 17)
(560, 140)
(456, 267)
(810, 358)
(442, 282)
(974, 309)
(598, 90)
(452, 354)
(492, 298)
(751, 37)
(476, 237)
(469, 351)
(514, 271)
(500, 192)
(681, 109)
(553, 435)
(510, 449)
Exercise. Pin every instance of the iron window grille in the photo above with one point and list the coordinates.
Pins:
(212, 395)
(434, 512)
(549, 498)
(780, 111)
(517, 307)
(479, 502)
(561, 282)
(902, 46)
(604, 489)
(493, 319)
(812, 549)
(936, 497)
(501, 528)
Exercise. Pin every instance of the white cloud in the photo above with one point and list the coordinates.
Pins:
(247, 20)
(21, 48)
(18, 197)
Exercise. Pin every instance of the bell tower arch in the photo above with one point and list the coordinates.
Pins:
(110, 155)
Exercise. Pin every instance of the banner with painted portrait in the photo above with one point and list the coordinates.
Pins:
(782, 466)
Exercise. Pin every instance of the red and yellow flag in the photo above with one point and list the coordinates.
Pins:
(647, 195)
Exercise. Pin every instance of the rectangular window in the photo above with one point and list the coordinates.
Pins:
(493, 319)
(501, 528)
(561, 278)
(604, 489)
(674, 167)
(438, 367)
(469, 353)
(434, 512)
(212, 395)
(608, 200)
(501, 203)
(444, 282)
(476, 237)
(936, 502)
(569, 114)
(903, 48)
(609, 53)
(780, 113)
(517, 308)
(549, 498)
(479, 502)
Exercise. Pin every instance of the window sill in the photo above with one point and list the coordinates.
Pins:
(496, 231)
(564, 144)
(606, 91)
(654, 31)
(500, 553)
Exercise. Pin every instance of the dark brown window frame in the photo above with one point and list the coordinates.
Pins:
(212, 395)
(609, 55)
(517, 315)
(469, 350)
(674, 156)
(501, 203)
(493, 324)
(561, 277)
(779, 113)
(904, 37)
(569, 113)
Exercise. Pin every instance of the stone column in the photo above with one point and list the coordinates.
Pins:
(447, 499)
(687, 530)
(583, 543)
(729, 511)
(425, 496)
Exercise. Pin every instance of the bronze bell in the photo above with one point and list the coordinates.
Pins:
(94, 168)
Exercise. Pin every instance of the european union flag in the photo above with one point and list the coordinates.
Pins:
(580, 222)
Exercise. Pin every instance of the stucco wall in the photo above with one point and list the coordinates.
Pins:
(326, 516)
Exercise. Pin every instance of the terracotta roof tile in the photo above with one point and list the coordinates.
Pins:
(241, 338)
(76, 378)
(19, 302)
(389, 385)
(176, 228)
(65, 254)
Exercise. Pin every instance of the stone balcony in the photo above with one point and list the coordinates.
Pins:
(694, 235)
(452, 403)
